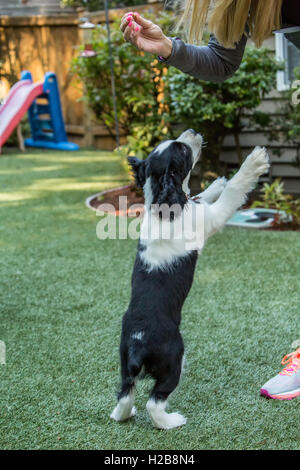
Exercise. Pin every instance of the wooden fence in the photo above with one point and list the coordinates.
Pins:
(48, 43)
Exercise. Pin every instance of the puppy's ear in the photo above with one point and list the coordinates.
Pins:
(171, 194)
(138, 169)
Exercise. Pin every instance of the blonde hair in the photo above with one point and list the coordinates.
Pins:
(227, 19)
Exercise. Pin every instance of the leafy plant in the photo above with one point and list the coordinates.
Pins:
(138, 78)
(274, 197)
(289, 129)
(154, 101)
(144, 137)
(220, 109)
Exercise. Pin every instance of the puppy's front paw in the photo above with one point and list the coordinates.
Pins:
(257, 163)
(221, 182)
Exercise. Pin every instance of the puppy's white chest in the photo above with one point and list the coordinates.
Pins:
(164, 242)
(161, 253)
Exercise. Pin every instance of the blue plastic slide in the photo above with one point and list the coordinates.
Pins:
(45, 117)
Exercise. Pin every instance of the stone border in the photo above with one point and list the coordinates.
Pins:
(102, 193)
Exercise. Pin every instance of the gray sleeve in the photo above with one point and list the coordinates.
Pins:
(213, 62)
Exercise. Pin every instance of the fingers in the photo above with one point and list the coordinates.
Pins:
(142, 21)
(127, 34)
(125, 20)
(130, 34)
(134, 20)
(129, 27)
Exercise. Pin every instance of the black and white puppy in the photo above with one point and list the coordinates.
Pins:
(163, 272)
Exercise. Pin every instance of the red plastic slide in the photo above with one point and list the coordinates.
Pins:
(19, 99)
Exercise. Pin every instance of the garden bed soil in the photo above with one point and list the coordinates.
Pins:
(112, 197)
(284, 227)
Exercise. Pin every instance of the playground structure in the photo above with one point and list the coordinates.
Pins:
(42, 101)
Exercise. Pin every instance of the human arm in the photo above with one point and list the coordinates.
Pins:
(212, 62)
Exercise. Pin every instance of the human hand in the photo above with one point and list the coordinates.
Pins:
(145, 35)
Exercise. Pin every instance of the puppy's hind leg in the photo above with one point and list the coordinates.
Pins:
(157, 402)
(125, 409)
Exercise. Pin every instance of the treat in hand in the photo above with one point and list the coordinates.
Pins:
(145, 35)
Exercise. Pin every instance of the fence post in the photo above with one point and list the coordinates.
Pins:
(88, 126)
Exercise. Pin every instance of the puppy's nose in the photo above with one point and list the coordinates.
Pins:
(192, 131)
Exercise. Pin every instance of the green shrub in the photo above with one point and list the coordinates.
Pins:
(288, 129)
(138, 78)
(274, 197)
(217, 109)
(214, 109)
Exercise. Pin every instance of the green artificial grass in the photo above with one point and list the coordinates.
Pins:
(63, 293)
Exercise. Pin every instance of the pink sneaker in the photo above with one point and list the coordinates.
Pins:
(285, 385)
